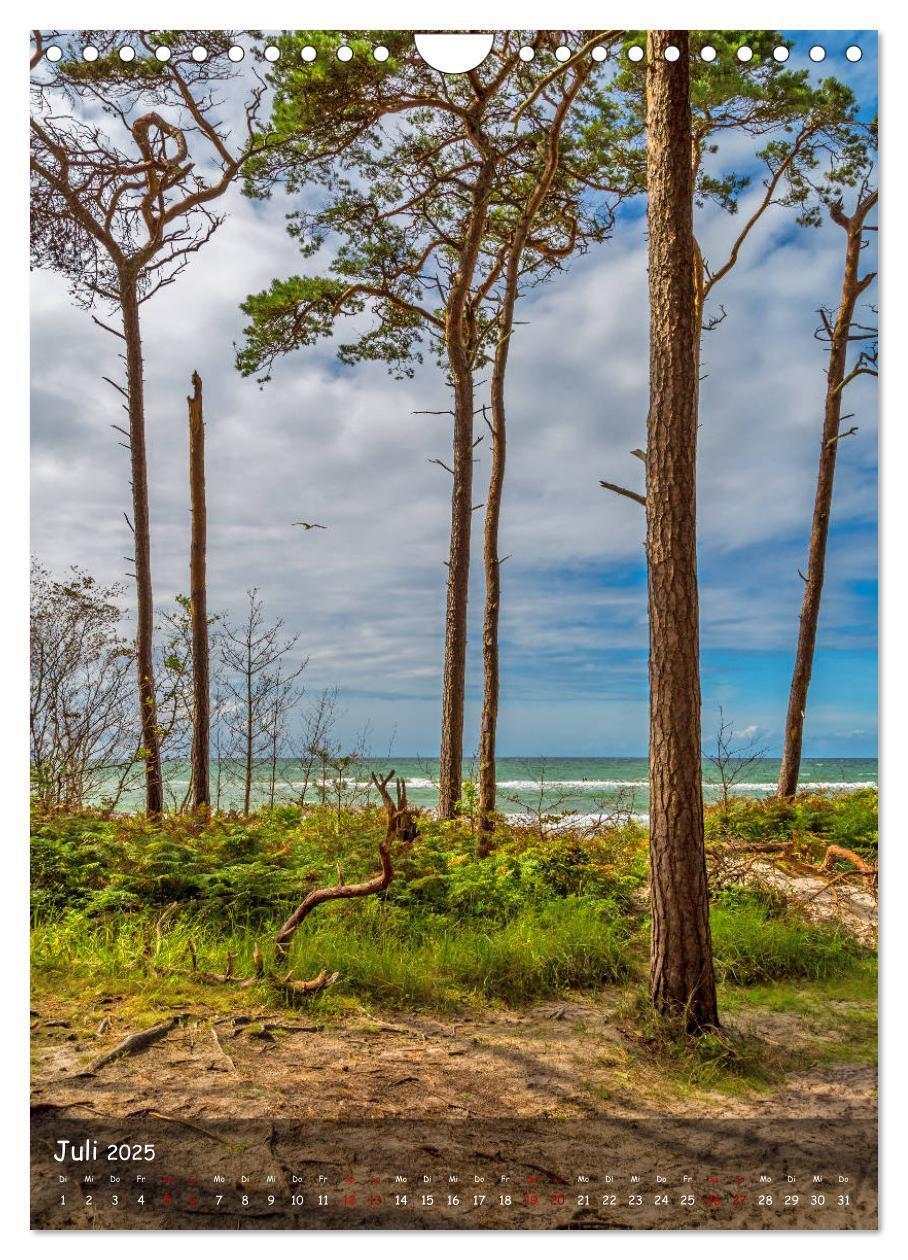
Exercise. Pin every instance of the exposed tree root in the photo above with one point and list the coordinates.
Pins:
(220, 1049)
(306, 988)
(163, 920)
(137, 1042)
(401, 825)
(818, 890)
(837, 852)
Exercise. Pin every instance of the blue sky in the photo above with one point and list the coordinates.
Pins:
(342, 446)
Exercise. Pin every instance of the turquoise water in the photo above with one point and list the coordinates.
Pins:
(587, 785)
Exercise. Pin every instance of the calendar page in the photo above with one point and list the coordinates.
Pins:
(453, 630)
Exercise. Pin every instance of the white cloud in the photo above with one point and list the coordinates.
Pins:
(343, 447)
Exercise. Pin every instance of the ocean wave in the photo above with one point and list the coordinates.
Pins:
(567, 822)
(589, 784)
(802, 787)
(592, 785)
(552, 785)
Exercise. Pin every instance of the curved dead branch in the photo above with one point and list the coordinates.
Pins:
(401, 825)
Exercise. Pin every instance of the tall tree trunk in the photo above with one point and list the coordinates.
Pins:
(498, 433)
(129, 305)
(460, 331)
(682, 982)
(198, 591)
(247, 791)
(852, 286)
(455, 660)
(491, 613)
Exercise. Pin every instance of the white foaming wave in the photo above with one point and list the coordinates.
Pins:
(802, 787)
(588, 785)
(592, 784)
(575, 783)
(566, 822)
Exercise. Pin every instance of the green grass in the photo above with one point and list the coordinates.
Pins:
(768, 1030)
(755, 940)
(534, 919)
(572, 944)
(391, 958)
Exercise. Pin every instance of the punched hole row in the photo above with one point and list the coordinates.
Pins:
(380, 53)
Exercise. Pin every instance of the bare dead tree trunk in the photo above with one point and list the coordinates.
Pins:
(129, 302)
(853, 285)
(682, 982)
(250, 735)
(198, 592)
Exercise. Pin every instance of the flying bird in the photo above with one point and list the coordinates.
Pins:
(309, 525)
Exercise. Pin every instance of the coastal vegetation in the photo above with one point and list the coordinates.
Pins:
(439, 204)
(151, 907)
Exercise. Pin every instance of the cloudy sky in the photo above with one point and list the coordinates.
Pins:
(342, 446)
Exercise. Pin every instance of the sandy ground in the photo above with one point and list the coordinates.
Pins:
(850, 902)
(535, 1113)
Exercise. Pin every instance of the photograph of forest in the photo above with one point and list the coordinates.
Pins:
(453, 753)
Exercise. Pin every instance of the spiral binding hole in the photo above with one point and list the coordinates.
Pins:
(380, 53)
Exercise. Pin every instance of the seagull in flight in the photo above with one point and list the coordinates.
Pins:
(309, 524)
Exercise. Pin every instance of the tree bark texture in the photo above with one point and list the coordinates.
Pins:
(488, 786)
(682, 981)
(198, 592)
(498, 437)
(852, 286)
(459, 340)
(154, 792)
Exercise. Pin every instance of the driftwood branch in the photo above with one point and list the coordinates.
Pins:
(401, 825)
(837, 852)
